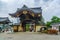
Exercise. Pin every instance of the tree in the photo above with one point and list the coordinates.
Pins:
(54, 19)
(48, 24)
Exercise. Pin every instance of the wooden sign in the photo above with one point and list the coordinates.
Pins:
(24, 12)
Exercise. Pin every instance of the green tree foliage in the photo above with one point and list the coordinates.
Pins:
(48, 24)
(54, 19)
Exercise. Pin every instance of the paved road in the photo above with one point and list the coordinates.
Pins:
(28, 36)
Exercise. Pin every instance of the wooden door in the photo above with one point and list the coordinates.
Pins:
(15, 29)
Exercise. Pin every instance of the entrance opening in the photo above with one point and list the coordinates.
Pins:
(28, 25)
(43, 29)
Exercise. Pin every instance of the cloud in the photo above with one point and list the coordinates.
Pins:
(49, 7)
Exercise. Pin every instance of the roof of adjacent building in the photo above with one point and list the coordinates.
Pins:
(4, 20)
(35, 10)
(58, 23)
(15, 24)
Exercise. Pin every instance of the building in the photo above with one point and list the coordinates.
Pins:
(56, 26)
(4, 22)
(28, 16)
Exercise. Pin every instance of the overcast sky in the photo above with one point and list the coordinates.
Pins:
(49, 7)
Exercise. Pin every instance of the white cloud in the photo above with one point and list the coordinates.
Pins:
(50, 8)
(7, 1)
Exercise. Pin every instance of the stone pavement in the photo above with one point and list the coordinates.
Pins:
(28, 36)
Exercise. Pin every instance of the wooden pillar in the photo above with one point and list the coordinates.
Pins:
(20, 29)
(34, 27)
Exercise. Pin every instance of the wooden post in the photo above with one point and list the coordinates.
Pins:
(35, 27)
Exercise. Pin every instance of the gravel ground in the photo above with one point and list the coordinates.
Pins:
(28, 36)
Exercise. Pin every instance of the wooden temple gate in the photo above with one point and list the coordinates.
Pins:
(27, 16)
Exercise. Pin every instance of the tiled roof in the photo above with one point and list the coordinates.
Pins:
(58, 23)
(4, 19)
(15, 24)
(35, 10)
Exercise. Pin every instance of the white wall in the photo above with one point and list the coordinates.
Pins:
(55, 27)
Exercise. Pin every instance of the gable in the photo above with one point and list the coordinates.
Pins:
(32, 11)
